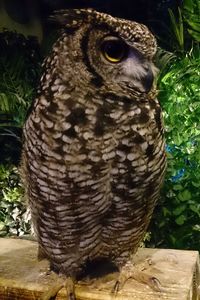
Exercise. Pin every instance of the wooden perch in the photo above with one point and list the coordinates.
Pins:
(23, 277)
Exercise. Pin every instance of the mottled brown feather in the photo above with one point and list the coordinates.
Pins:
(94, 154)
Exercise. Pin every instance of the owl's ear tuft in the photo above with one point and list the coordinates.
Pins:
(71, 18)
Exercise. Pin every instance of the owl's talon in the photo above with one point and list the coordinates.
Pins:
(119, 285)
(115, 289)
(129, 271)
(67, 284)
(155, 284)
(72, 296)
(52, 292)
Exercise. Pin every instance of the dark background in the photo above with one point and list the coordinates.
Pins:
(153, 13)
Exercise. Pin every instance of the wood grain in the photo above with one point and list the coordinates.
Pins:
(23, 277)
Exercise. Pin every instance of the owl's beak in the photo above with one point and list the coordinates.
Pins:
(138, 74)
(147, 80)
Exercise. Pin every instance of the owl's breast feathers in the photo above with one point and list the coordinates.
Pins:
(94, 173)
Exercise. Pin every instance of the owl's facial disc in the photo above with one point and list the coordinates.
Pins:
(135, 71)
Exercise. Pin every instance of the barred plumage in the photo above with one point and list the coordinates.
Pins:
(93, 158)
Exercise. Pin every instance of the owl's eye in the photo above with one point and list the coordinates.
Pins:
(114, 50)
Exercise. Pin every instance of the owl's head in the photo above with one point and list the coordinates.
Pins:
(114, 52)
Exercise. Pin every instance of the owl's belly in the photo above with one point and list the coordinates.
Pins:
(103, 216)
(94, 198)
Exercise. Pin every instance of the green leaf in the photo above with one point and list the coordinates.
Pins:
(2, 226)
(180, 220)
(195, 208)
(185, 195)
(188, 5)
(196, 184)
(197, 227)
(195, 35)
(177, 211)
(177, 187)
(166, 212)
(177, 27)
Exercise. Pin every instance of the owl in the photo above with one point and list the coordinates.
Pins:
(94, 153)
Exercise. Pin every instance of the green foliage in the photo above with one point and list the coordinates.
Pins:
(19, 72)
(177, 28)
(176, 223)
(185, 27)
(162, 59)
(14, 218)
(191, 12)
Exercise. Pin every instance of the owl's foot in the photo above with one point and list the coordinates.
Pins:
(129, 271)
(67, 283)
